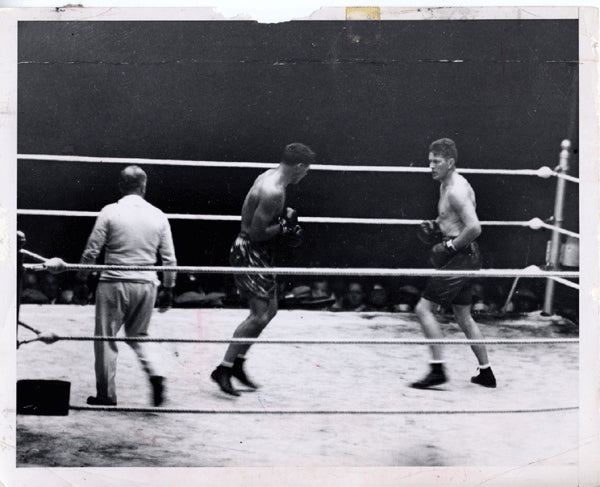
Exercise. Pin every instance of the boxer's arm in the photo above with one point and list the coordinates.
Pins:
(465, 209)
(264, 221)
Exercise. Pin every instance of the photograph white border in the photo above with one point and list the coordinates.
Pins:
(587, 472)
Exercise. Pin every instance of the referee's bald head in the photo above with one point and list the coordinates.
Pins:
(132, 180)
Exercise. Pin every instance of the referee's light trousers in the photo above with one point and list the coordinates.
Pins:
(128, 304)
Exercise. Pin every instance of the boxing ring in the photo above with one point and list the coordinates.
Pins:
(334, 385)
(275, 426)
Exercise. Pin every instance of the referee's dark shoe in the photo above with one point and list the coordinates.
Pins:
(100, 401)
(158, 389)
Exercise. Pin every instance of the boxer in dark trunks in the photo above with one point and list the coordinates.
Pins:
(452, 236)
(264, 218)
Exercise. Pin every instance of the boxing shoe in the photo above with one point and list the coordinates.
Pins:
(485, 378)
(435, 377)
(238, 372)
(222, 376)
(158, 389)
(100, 401)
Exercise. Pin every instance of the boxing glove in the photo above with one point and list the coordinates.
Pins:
(291, 231)
(429, 232)
(288, 220)
(441, 253)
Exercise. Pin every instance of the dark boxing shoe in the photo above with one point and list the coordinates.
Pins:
(222, 376)
(158, 389)
(100, 401)
(485, 378)
(238, 372)
(435, 377)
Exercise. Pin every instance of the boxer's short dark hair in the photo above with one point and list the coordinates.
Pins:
(445, 148)
(297, 153)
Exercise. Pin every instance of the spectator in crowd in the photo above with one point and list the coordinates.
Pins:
(31, 292)
(50, 286)
(65, 296)
(290, 295)
(354, 299)
(189, 292)
(320, 289)
(525, 300)
(480, 304)
(339, 290)
(406, 297)
(81, 293)
(319, 297)
(378, 298)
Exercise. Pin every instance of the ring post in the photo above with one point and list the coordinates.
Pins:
(553, 263)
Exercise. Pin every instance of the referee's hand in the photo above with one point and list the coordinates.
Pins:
(164, 300)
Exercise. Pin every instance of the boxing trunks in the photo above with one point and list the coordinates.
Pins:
(447, 290)
(245, 253)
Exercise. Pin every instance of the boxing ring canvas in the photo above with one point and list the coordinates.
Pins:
(204, 104)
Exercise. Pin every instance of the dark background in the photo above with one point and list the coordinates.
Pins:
(360, 93)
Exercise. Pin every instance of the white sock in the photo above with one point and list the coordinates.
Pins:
(224, 363)
(486, 366)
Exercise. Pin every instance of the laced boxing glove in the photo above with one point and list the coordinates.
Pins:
(290, 230)
(441, 253)
(429, 232)
(288, 219)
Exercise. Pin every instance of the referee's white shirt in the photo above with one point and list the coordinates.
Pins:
(132, 232)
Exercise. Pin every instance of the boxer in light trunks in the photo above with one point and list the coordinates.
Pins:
(452, 236)
(264, 218)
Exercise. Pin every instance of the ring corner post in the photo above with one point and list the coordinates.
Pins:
(555, 244)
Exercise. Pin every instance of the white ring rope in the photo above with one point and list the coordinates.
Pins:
(33, 255)
(534, 223)
(543, 172)
(43, 259)
(531, 271)
(567, 177)
(565, 282)
(263, 341)
(321, 411)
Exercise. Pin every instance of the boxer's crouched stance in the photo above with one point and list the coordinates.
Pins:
(264, 218)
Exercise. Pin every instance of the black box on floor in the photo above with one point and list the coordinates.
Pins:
(43, 397)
